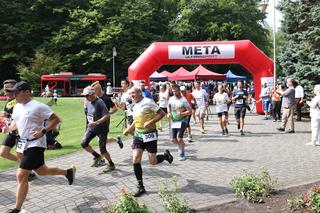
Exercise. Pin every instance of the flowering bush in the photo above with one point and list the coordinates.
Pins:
(309, 201)
(126, 203)
(253, 187)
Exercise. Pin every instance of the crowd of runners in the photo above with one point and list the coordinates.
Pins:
(145, 109)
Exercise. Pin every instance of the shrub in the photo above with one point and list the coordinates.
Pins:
(309, 201)
(170, 200)
(126, 203)
(253, 187)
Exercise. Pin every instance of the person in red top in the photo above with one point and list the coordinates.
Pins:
(190, 100)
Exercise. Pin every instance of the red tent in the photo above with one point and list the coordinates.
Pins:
(201, 73)
(166, 73)
(176, 75)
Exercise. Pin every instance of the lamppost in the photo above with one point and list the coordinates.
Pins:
(114, 54)
(263, 7)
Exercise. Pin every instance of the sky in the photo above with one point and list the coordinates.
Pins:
(270, 16)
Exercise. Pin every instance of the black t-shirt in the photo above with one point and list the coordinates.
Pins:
(8, 107)
(107, 101)
(96, 110)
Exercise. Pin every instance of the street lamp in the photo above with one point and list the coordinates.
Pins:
(263, 7)
(114, 54)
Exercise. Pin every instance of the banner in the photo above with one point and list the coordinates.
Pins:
(215, 51)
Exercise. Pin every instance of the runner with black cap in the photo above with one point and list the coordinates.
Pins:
(28, 118)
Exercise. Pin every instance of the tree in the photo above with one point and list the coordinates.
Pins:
(41, 64)
(300, 55)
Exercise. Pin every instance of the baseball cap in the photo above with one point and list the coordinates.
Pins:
(22, 85)
(89, 90)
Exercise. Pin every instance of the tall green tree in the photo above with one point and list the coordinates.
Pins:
(300, 55)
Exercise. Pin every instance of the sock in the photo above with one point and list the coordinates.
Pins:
(111, 163)
(138, 172)
(161, 158)
(95, 154)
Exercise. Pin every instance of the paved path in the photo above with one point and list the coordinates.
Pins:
(203, 179)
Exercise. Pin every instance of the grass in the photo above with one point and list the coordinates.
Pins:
(70, 110)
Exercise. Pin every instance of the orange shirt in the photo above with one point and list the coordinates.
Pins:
(189, 97)
(275, 96)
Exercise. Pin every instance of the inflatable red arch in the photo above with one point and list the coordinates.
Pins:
(242, 52)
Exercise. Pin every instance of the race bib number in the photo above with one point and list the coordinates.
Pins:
(162, 102)
(90, 119)
(176, 125)
(239, 101)
(148, 137)
(21, 145)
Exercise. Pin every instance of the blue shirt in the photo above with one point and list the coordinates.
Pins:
(146, 93)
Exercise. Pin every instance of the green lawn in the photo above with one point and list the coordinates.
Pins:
(70, 110)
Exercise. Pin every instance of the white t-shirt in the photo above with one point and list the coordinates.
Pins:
(299, 93)
(163, 101)
(124, 99)
(200, 96)
(221, 102)
(30, 117)
(315, 111)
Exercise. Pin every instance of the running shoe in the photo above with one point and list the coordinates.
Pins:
(95, 161)
(202, 130)
(280, 129)
(109, 168)
(140, 191)
(32, 176)
(71, 174)
(223, 132)
(227, 132)
(168, 156)
(241, 132)
(119, 142)
(13, 211)
(311, 144)
(189, 139)
(101, 163)
(182, 158)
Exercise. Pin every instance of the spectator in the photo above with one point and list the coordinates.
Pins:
(315, 117)
(299, 93)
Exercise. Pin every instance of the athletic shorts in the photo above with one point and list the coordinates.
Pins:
(89, 135)
(33, 158)
(179, 132)
(188, 121)
(240, 112)
(200, 110)
(10, 140)
(266, 106)
(165, 109)
(138, 143)
(220, 114)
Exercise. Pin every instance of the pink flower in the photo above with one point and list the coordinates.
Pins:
(315, 188)
(305, 197)
(123, 190)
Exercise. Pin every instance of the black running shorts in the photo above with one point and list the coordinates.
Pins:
(33, 158)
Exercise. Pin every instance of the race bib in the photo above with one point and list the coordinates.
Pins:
(148, 137)
(176, 125)
(162, 102)
(239, 101)
(90, 118)
(21, 144)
